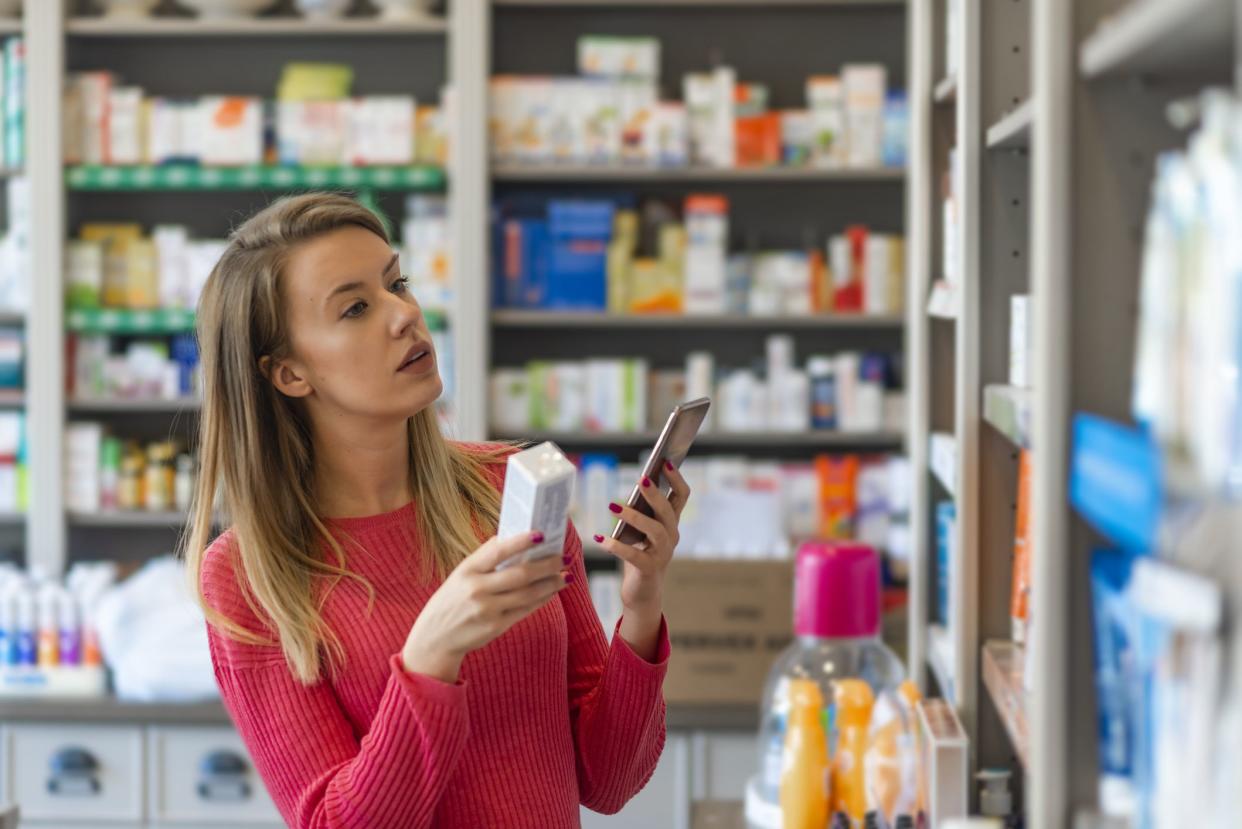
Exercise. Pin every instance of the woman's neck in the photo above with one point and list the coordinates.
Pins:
(361, 471)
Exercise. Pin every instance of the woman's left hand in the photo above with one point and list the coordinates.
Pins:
(642, 583)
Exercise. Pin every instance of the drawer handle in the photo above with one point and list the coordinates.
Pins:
(223, 777)
(75, 773)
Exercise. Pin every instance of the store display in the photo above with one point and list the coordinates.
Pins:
(612, 114)
(590, 255)
(837, 662)
(105, 474)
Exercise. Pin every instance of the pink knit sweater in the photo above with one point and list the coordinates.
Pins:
(544, 718)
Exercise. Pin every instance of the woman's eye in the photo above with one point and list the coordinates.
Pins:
(400, 285)
(355, 310)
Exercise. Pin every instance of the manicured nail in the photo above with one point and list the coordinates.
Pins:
(567, 559)
(537, 538)
(615, 508)
(599, 539)
(646, 482)
(668, 465)
(569, 578)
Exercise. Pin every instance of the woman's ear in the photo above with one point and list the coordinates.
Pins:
(285, 376)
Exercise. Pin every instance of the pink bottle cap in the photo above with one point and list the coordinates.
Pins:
(837, 590)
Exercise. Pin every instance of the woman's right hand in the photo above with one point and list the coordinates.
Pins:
(478, 603)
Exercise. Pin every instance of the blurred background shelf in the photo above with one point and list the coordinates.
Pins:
(1002, 667)
(1013, 132)
(940, 659)
(716, 440)
(757, 5)
(128, 519)
(946, 90)
(12, 398)
(122, 322)
(574, 319)
(1008, 409)
(262, 27)
(1162, 37)
(122, 404)
(190, 177)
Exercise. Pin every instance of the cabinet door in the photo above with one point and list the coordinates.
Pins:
(202, 775)
(664, 802)
(80, 772)
(723, 762)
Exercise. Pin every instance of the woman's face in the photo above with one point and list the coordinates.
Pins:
(359, 344)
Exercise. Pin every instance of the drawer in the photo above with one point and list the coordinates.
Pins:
(203, 775)
(70, 773)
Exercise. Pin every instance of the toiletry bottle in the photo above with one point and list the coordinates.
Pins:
(853, 699)
(995, 799)
(8, 626)
(49, 631)
(804, 770)
(27, 622)
(70, 629)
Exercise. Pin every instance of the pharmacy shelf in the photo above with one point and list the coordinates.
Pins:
(726, 322)
(251, 27)
(127, 322)
(12, 318)
(134, 519)
(191, 177)
(134, 405)
(1008, 409)
(946, 91)
(722, 440)
(940, 660)
(10, 26)
(1013, 132)
(12, 398)
(942, 455)
(1003, 664)
(12, 519)
(589, 173)
(945, 301)
(1161, 37)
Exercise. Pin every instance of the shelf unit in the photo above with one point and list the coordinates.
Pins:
(706, 175)
(681, 322)
(98, 27)
(811, 441)
(193, 178)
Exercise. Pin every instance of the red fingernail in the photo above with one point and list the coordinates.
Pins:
(599, 539)
(569, 578)
(646, 482)
(668, 465)
(615, 508)
(537, 538)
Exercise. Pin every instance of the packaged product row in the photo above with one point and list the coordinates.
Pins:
(105, 367)
(755, 509)
(612, 112)
(105, 473)
(629, 257)
(849, 392)
(118, 265)
(314, 120)
(45, 623)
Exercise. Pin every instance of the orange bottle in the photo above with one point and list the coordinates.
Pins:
(804, 766)
(854, 700)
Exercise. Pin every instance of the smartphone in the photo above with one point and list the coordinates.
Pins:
(673, 445)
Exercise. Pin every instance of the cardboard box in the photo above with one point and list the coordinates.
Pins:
(728, 621)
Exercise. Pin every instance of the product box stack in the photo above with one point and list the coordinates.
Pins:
(611, 113)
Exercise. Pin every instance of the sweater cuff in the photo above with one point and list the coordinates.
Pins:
(428, 689)
(633, 662)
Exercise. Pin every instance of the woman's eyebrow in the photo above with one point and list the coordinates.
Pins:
(355, 285)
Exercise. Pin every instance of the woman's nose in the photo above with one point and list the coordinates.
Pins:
(405, 315)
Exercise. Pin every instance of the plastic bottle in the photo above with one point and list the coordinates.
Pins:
(8, 625)
(49, 627)
(70, 628)
(837, 627)
(804, 786)
(27, 622)
(854, 700)
(995, 799)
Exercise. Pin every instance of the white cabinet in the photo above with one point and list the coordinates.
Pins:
(79, 772)
(664, 802)
(203, 776)
(722, 761)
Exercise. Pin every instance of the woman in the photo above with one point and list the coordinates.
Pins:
(380, 669)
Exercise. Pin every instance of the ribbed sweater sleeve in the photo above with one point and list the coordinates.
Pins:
(616, 700)
(319, 772)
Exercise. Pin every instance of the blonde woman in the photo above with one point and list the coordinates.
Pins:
(380, 669)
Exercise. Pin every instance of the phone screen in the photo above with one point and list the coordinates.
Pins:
(673, 446)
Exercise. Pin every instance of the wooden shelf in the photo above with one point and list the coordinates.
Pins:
(726, 440)
(942, 456)
(1162, 37)
(946, 91)
(1008, 409)
(252, 27)
(1003, 665)
(940, 660)
(726, 322)
(1013, 132)
(135, 405)
(145, 178)
(589, 173)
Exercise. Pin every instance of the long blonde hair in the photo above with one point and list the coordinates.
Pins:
(256, 455)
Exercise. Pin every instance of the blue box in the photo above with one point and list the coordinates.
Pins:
(579, 232)
(946, 519)
(521, 263)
